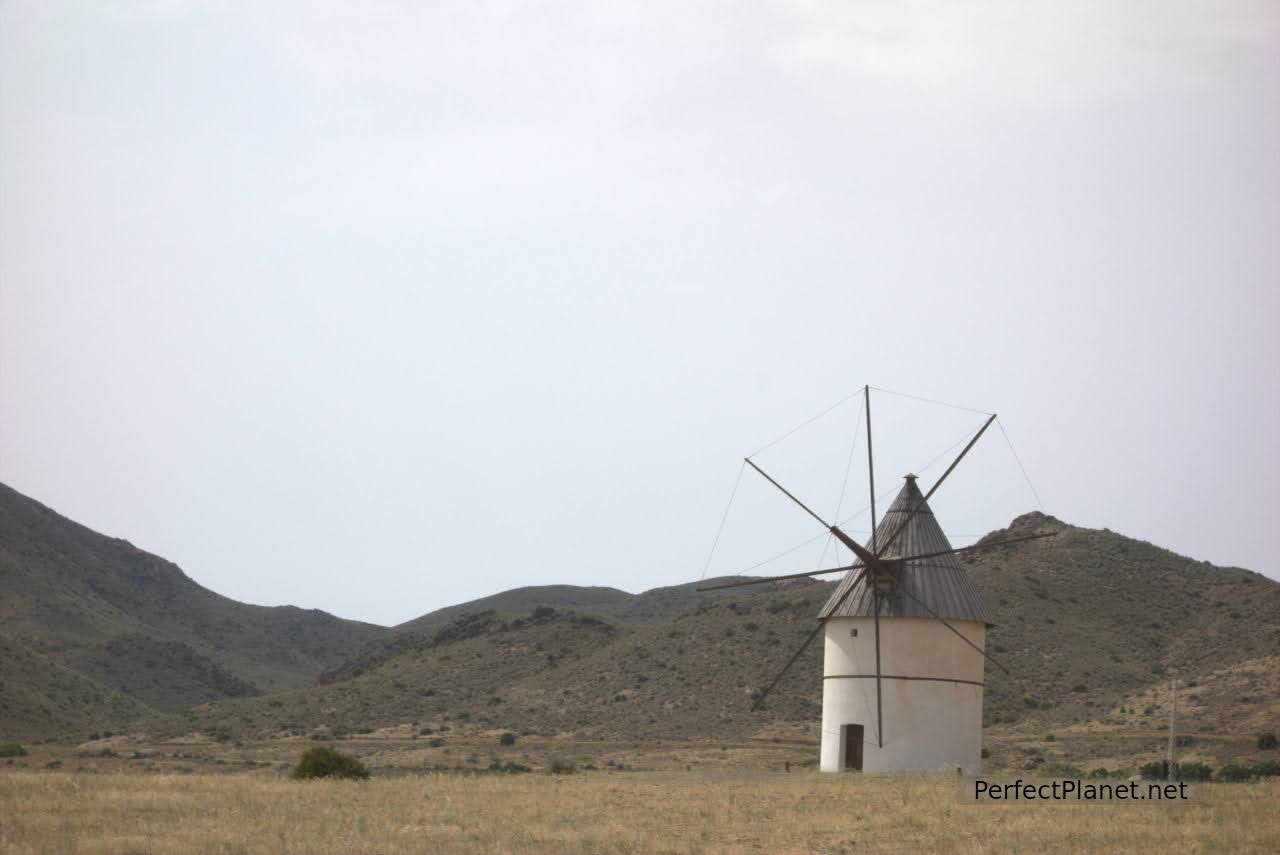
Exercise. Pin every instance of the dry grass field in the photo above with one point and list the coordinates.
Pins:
(598, 812)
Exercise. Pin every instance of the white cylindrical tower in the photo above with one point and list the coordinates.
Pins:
(927, 715)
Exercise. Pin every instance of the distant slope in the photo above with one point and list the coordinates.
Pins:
(652, 606)
(38, 697)
(1087, 622)
(522, 601)
(136, 623)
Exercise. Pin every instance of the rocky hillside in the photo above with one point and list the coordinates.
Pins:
(1088, 621)
(39, 697)
(1088, 617)
(132, 622)
(1090, 624)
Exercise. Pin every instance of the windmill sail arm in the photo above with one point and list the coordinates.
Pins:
(786, 492)
(765, 579)
(865, 555)
(858, 564)
(975, 547)
(785, 668)
(858, 549)
(927, 496)
(794, 656)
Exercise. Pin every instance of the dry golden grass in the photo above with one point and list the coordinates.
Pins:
(49, 812)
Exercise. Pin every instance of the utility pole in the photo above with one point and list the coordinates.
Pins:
(1172, 682)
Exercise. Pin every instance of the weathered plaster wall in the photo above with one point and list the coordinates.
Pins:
(929, 725)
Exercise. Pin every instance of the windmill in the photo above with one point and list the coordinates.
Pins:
(904, 637)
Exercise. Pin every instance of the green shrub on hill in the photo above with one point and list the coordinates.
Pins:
(562, 766)
(12, 749)
(1159, 771)
(325, 762)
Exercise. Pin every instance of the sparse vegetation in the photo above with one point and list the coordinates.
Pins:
(1267, 741)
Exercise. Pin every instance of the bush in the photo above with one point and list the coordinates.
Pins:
(1267, 741)
(1192, 772)
(1060, 770)
(562, 766)
(1235, 774)
(325, 762)
(1159, 771)
(12, 749)
(507, 738)
(1269, 769)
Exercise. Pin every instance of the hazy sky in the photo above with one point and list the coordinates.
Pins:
(377, 307)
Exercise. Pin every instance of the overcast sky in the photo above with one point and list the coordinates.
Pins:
(379, 307)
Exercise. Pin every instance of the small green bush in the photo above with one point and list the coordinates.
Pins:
(507, 738)
(1235, 774)
(325, 762)
(1267, 741)
(12, 749)
(1159, 771)
(1192, 772)
(562, 766)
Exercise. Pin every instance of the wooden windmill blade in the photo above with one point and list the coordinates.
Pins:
(868, 558)
(871, 485)
(865, 555)
(845, 568)
(755, 705)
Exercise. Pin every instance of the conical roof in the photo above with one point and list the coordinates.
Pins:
(940, 582)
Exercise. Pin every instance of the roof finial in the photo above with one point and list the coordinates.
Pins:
(910, 476)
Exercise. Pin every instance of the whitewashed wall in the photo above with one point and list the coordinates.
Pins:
(929, 725)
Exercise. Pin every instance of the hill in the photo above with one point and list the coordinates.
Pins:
(132, 622)
(651, 606)
(38, 697)
(1090, 623)
(1089, 617)
(521, 601)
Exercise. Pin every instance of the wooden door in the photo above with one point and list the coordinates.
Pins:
(853, 747)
